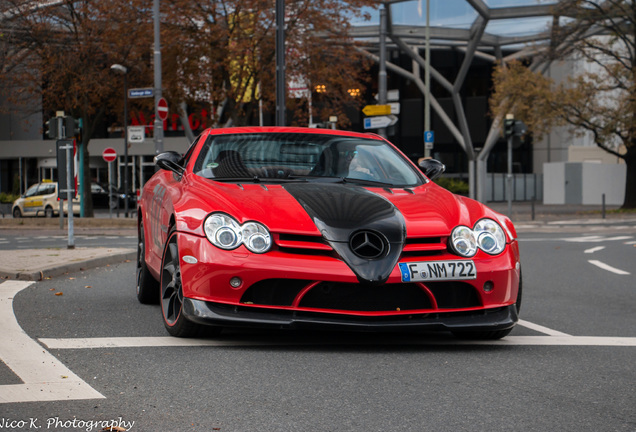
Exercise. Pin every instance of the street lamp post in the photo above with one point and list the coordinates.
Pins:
(124, 71)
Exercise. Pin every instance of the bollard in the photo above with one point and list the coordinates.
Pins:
(603, 206)
(532, 207)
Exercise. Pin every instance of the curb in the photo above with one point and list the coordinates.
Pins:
(39, 274)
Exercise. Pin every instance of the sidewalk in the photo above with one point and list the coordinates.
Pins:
(37, 264)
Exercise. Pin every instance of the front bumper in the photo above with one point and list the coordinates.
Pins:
(211, 313)
(298, 290)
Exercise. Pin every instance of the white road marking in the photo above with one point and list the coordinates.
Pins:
(584, 239)
(541, 329)
(594, 249)
(169, 341)
(595, 239)
(608, 267)
(45, 378)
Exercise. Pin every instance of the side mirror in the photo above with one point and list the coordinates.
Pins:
(169, 161)
(432, 168)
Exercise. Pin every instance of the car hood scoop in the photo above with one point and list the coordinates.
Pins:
(365, 229)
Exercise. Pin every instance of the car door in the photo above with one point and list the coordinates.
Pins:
(33, 200)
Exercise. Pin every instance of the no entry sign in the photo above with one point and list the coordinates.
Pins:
(109, 154)
(162, 109)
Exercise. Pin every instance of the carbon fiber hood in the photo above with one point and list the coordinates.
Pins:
(344, 213)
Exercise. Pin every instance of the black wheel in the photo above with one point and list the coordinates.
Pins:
(17, 213)
(147, 286)
(172, 292)
(48, 212)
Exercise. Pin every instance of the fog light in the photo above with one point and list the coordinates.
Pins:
(236, 282)
(488, 286)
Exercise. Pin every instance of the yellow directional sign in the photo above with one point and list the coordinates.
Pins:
(376, 110)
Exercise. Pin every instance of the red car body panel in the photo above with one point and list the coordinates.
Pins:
(429, 212)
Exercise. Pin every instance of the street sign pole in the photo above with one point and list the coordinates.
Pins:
(110, 156)
(158, 128)
(110, 189)
(509, 177)
(382, 72)
(67, 146)
(125, 145)
(69, 195)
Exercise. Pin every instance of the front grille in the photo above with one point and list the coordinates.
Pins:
(454, 295)
(274, 292)
(302, 244)
(305, 294)
(357, 297)
(424, 246)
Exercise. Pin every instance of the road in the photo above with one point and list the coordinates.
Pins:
(568, 366)
(9, 241)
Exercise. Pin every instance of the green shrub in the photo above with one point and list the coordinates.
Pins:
(454, 185)
(8, 198)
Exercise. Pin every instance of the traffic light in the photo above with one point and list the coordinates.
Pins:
(51, 127)
(72, 126)
(520, 128)
(509, 128)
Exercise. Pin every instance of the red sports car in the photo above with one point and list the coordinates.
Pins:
(296, 228)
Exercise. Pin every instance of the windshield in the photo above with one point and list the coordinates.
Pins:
(282, 157)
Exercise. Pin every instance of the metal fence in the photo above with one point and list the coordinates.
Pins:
(525, 187)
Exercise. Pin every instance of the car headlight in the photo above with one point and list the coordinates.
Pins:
(256, 237)
(224, 232)
(490, 236)
(463, 241)
(486, 235)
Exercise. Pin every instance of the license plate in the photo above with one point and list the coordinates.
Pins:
(438, 270)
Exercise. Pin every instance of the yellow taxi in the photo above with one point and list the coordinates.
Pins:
(39, 199)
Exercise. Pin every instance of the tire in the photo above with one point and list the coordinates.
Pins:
(172, 292)
(48, 212)
(147, 286)
(17, 214)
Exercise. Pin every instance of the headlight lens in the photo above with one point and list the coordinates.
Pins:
(486, 235)
(463, 241)
(490, 236)
(224, 232)
(256, 237)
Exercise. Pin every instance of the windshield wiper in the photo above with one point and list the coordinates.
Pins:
(256, 179)
(366, 182)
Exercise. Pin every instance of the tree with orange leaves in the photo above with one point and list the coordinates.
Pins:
(223, 52)
(57, 55)
(600, 99)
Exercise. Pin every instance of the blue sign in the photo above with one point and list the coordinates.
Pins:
(367, 123)
(141, 93)
(429, 137)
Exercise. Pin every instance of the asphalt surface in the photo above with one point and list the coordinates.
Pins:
(568, 366)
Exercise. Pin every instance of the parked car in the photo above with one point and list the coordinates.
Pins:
(296, 228)
(101, 198)
(41, 199)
